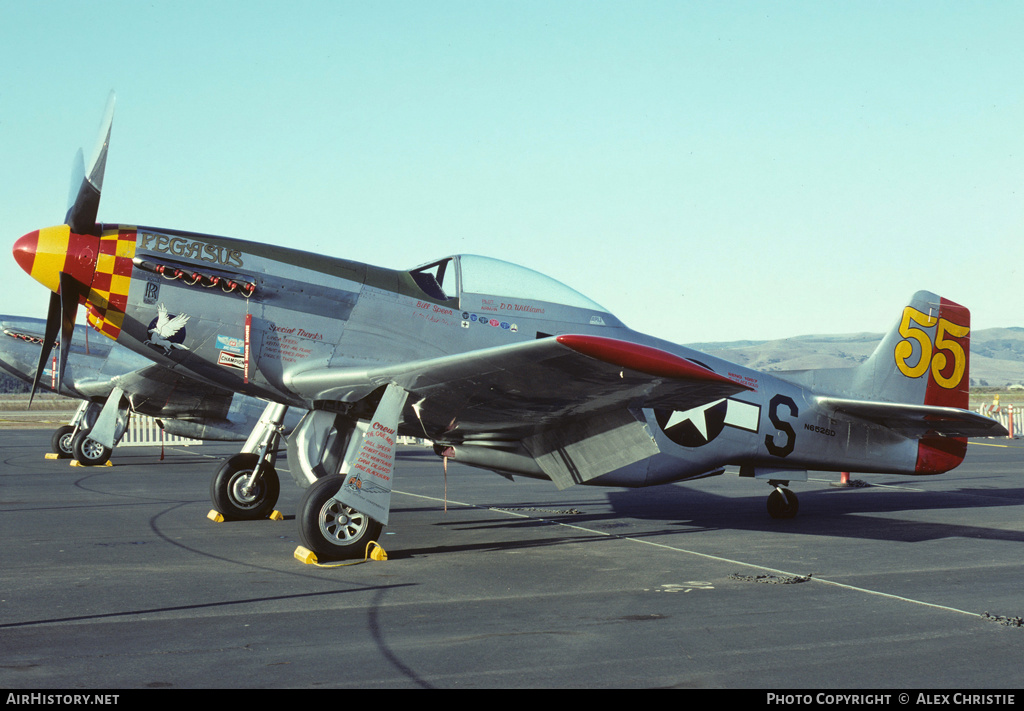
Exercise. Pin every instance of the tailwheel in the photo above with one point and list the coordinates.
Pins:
(62, 442)
(238, 495)
(329, 528)
(88, 451)
(782, 503)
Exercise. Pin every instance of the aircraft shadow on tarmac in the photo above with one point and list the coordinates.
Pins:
(835, 512)
(866, 513)
(675, 509)
(679, 508)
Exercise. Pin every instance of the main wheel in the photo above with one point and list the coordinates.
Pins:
(234, 498)
(88, 451)
(329, 528)
(62, 442)
(782, 503)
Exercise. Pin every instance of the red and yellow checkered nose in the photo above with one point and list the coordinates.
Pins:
(101, 265)
(45, 253)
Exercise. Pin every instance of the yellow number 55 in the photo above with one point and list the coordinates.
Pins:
(933, 355)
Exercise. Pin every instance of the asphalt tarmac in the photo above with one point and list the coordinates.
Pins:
(114, 578)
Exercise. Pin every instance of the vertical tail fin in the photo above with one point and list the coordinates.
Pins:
(924, 359)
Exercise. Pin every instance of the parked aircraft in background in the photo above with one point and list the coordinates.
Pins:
(109, 378)
(501, 367)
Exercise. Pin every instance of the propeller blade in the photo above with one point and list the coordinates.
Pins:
(69, 293)
(53, 322)
(81, 216)
(77, 178)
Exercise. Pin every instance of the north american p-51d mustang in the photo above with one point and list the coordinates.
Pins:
(500, 367)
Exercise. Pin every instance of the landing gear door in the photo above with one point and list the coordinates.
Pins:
(367, 468)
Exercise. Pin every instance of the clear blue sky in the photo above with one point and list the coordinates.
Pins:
(705, 170)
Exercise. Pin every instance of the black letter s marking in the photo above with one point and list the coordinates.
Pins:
(782, 426)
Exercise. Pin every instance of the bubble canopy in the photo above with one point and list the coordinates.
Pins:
(495, 277)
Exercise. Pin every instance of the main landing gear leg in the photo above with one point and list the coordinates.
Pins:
(782, 503)
(246, 486)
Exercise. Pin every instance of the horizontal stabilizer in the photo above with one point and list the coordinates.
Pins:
(916, 420)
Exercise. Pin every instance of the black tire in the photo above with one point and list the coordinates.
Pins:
(328, 528)
(89, 452)
(783, 503)
(230, 497)
(62, 442)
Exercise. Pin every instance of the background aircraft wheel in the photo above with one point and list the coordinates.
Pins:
(331, 529)
(62, 442)
(88, 451)
(782, 503)
(234, 499)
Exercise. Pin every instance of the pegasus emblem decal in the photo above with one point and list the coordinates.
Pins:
(167, 331)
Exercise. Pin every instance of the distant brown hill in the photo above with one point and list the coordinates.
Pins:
(997, 354)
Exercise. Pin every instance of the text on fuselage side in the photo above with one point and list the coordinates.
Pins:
(191, 249)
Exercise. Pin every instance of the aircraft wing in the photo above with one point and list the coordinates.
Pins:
(521, 389)
(916, 420)
(159, 392)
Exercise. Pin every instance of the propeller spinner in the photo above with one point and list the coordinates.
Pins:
(63, 258)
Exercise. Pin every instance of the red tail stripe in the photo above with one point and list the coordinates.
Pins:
(960, 396)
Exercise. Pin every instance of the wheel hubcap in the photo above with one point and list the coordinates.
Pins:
(341, 524)
(245, 496)
(92, 449)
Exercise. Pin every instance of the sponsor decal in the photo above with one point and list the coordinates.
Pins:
(231, 360)
(468, 318)
(230, 344)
